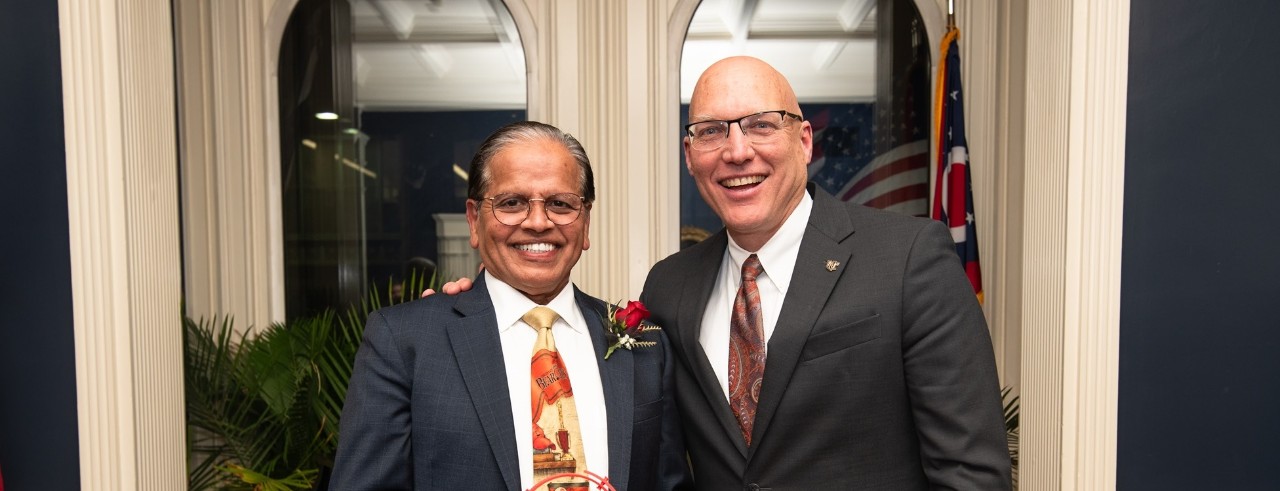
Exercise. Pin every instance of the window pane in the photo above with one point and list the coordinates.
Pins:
(377, 189)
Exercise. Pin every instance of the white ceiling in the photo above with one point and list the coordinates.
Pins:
(436, 55)
(826, 48)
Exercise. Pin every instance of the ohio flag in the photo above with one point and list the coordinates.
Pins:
(953, 190)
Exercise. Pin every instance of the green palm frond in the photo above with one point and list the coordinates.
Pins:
(263, 408)
(299, 479)
(1011, 411)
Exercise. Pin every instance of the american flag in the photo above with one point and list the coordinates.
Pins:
(845, 163)
(953, 188)
(878, 154)
(842, 143)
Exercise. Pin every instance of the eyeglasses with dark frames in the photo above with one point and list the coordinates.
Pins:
(513, 209)
(761, 127)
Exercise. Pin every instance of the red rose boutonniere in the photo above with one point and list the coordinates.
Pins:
(625, 325)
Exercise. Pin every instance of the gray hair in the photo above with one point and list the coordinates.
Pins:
(527, 131)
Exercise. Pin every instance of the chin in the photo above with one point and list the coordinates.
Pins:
(742, 221)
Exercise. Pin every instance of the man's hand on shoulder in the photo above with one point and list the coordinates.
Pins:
(451, 288)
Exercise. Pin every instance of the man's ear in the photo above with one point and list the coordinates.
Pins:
(586, 229)
(806, 139)
(688, 160)
(473, 219)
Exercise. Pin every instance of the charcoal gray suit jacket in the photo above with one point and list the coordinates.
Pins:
(879, 375)
(428, 406)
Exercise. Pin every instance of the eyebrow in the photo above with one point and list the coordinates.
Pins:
(697, 118)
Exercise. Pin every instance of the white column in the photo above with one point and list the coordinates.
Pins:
(118, 110)
(1077, 78)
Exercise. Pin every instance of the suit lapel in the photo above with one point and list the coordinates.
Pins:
(811, 285)
(693, 304)
(474, 339)
(617, 380)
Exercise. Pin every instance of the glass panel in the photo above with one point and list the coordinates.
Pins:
(860, 69)
(375, 189)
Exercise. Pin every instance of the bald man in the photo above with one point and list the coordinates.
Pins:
(819, 344)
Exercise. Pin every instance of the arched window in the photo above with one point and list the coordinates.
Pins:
(861, 71)
(382, 104)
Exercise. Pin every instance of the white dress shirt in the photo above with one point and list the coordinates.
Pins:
(574, 344)
(778, 258)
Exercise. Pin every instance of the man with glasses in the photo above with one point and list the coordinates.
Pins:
(506, 385)
(820, 344)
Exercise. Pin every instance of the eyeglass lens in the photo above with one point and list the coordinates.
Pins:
(758, 128)
(513, 209)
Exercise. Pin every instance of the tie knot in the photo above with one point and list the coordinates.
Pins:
(540, 317)
(751, 268)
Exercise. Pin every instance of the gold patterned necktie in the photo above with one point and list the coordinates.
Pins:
(746, 348)
(557, 440)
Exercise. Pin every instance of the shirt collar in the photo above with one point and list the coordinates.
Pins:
(778, 254)
(509, 305)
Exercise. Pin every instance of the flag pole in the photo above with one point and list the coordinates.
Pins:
(951, 14)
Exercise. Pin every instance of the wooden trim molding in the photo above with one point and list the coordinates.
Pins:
(230, 158)
(1077, 78)
(118, 100)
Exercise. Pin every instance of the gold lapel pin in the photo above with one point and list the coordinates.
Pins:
(832, 264)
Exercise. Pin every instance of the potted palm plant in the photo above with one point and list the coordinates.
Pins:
(263, 407)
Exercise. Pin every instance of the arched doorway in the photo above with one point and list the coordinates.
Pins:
(382, 104)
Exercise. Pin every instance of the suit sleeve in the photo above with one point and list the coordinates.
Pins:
(673, 464)
(950, 370)
(374, 449)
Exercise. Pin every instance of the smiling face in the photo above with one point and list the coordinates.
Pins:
(535, 256)
(753, 187)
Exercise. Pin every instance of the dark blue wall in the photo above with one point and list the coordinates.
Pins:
(1199, 330)
(38, 439)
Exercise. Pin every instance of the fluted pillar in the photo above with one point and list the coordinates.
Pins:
(1076, 92)
(117, 76)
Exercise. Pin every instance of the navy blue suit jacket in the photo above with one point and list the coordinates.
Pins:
(428, 406)
(880, 373)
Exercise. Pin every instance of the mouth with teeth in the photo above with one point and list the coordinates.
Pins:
(538, 247)
(741, 182)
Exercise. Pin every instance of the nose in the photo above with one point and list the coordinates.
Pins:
(537, 218)
(737, 148)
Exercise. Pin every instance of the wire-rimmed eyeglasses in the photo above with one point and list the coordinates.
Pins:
(760, 127)
(513, 209)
